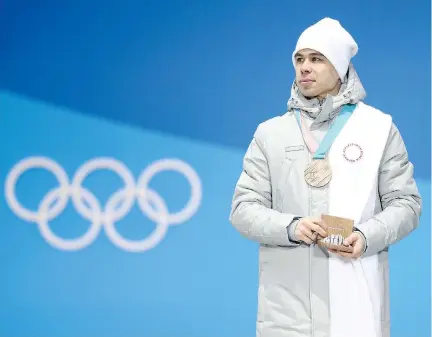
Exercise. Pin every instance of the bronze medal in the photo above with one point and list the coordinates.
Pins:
(318, 173)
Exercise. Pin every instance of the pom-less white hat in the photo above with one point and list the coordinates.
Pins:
(329, 38)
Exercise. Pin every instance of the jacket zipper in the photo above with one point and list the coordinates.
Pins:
(310, 262)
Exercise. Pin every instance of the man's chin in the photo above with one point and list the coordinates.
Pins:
(309, 94)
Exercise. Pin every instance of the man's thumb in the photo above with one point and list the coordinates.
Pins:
(350, 239)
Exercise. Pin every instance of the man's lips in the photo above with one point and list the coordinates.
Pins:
(306, 80)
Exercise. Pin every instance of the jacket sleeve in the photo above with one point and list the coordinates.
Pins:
(251, 212)
(400, 198)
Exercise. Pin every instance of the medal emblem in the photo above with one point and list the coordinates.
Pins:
(352, 152)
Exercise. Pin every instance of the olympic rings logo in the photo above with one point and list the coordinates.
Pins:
(116, 208)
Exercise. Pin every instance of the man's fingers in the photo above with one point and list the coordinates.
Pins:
(309, 228)
(341, 253)
(351, 239)
(358, 249)
(315, 225)
(307, 234)
(319, 222)
(305, 239)
(355, 253)
(319, 230)
(349, 255)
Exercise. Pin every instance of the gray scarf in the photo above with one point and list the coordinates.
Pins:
(351, 92)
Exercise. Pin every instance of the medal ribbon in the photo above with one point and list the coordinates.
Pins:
(308, 137)
(332, 133)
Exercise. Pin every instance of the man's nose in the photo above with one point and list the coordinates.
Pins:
(305, 67)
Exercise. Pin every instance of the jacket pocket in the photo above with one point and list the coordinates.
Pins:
(294, 152)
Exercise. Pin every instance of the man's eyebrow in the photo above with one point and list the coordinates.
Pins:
(316, 54)
(298, 54)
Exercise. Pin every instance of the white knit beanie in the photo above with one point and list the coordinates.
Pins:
(329, 38)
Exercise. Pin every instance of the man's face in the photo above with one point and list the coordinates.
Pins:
(315, 75)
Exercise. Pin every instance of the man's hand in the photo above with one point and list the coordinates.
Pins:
(356, 241)
(307, 229)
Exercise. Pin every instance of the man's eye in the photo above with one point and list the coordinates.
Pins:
(316, 59)
(299, 59)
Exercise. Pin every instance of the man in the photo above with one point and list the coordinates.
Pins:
(330, 154)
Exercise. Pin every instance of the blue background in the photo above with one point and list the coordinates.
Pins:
(145, 80)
